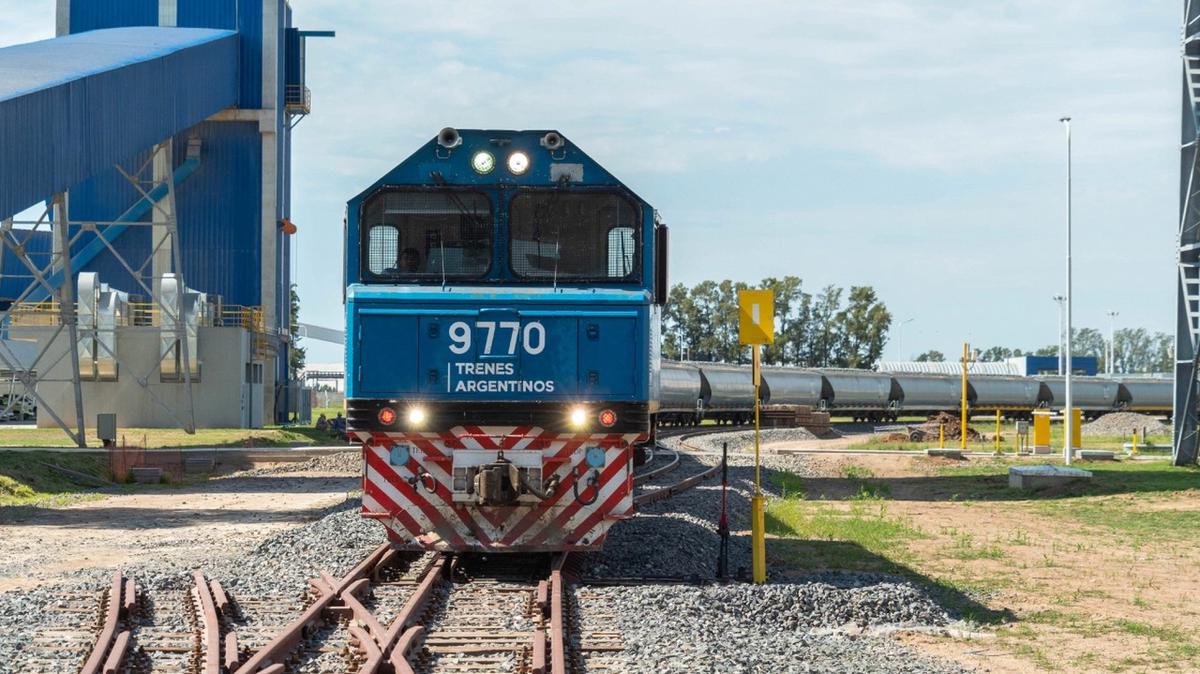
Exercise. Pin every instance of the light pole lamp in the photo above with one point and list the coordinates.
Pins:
(1112, 340)
(1068, 443)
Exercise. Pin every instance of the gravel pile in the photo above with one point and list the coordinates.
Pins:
(1125, 423)
(743, 440)
(349, 462)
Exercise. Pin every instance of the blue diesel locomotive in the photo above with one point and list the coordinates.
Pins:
(503, 300)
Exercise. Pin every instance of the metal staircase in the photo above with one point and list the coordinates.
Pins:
(1187, 331)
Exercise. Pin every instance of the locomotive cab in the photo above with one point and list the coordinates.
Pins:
(502, 309)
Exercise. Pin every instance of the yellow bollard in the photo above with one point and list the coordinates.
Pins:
(997, 432)
(1135, 443)
(941, 436)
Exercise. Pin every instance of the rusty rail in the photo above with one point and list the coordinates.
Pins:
(269, 659)
(661, 470)
(558, 626)
(112, 643)
(212, 624)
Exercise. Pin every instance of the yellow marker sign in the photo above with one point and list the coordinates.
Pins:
(756, 317)
(756, 326)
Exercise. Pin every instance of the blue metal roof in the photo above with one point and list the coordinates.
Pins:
(74, 105)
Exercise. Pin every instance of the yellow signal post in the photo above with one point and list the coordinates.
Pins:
(756, 326)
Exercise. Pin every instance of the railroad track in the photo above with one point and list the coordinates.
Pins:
(407, 613)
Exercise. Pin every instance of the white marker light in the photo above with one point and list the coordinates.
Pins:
(416, 416)
(483, 162)
(518, 163)
(578, 417)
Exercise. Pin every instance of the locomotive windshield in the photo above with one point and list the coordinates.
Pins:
(427, 235)
(574, 236)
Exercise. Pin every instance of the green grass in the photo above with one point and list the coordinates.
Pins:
(26, 479)
(864, 524)
(171, 437)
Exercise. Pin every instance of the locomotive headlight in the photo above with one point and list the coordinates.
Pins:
(518, 163)
(483, 162)
(578, 417)
(416, 416)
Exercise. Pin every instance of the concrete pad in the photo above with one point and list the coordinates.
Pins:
(1097, 455)
(946, 453)
(1039, 477)
(1041, 449)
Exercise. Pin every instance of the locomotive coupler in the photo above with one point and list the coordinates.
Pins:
(498, 483)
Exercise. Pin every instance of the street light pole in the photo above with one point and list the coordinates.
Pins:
(1112, 340)
(1061, 308)
(1069, 417)
(900, 338)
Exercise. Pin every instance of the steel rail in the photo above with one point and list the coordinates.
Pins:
(661, 470)
(405, 634)
(558, 627)
(108, 654)
(684, 484)
(212, 625)
(269, 659)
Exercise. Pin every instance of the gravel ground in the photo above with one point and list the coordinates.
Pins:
(1125, 423)
(815, 625)
(279, 566)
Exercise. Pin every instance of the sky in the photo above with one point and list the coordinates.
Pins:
(911, 146)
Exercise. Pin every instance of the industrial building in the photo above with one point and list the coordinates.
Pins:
(157, 134)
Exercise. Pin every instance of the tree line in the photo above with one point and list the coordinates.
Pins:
(828, 328)
(1136, 350)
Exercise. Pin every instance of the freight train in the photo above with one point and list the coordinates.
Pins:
(693, 392)
(503, 300)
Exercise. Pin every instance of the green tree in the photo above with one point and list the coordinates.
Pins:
(296, 353)
(1164, 352)
(996, 354)
(1089, 342)
(822, 336)
(932, 356)
(789, 305)
(862, 328)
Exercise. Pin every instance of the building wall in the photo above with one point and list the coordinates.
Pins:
(228, 210)
(222, 398)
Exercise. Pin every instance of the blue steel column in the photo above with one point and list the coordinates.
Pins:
(1188, 307)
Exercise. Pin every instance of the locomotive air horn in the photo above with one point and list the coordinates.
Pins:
(552, 141)
(449, 138)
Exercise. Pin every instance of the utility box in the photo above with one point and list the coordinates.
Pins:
(1041, 432)
(106, 429)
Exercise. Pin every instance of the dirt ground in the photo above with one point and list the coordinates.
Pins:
(1075, 584)
(163, 523)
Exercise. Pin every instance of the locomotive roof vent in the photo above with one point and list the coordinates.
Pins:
(449, 138)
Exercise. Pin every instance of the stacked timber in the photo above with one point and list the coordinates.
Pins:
(794, 416)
